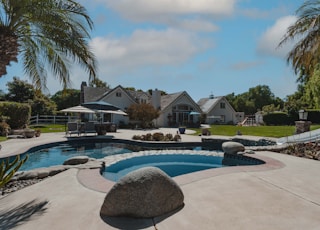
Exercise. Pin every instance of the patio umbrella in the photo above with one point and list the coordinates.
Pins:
(78, 109)
(120, 112)
(194, 113)
(100, 105)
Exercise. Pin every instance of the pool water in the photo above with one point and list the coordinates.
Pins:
(172, 164)
(56, 155)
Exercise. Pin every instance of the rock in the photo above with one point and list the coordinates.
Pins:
(232, 147)
(143, 193)
(76, 160)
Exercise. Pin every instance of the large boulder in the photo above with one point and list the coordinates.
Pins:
(231, 147)
(76, 160)
(144, 193)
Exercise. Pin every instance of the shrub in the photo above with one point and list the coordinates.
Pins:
(158, 137)
(314, 116)
(18, 113)
(4, 128)
(168, 137)
(177, 137)
(278, 118)
(8, 169)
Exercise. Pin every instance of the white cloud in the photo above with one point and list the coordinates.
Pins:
(269, 41)
(146, 49)
(148, 10)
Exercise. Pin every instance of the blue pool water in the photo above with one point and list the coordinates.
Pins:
(56, 155)
(172, 164)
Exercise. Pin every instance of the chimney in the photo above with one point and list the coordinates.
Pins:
(155, 99)
(83, 85)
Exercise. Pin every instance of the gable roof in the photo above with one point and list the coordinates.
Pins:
(207, 104)
(169, 99)
(93, 93)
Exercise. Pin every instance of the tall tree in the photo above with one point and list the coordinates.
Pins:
(48, 34)
(20, 91)
(66, 98)
(306, 31)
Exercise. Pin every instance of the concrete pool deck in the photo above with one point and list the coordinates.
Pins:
(284, 197)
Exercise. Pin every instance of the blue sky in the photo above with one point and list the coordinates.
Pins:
(200, 46)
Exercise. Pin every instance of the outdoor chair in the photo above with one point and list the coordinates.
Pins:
(73, 128)
(89, 127)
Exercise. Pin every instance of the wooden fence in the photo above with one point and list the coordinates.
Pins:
(50, 119)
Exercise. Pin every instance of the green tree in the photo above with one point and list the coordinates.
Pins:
(49, 34)
(144, 113)
(66, 98)
(312, 89)
(306, 31)
(98, 83)
(42, 105)
(19, 91)
(255, 99)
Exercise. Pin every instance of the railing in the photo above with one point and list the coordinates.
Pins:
(50, 119)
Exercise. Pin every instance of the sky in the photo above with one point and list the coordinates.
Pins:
(202, 47)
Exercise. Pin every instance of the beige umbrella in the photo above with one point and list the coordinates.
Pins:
(78, 109)
(120, 112)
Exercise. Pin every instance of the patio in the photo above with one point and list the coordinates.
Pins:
(276, 198)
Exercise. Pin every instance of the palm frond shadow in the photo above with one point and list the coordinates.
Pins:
(21, 213)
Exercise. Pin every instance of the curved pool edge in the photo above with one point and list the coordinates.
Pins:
(93, 180)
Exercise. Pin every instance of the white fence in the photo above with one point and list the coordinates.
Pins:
(313, 135)
(50, 119)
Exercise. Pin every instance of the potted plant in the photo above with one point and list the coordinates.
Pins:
(182, 129)
(37, 132)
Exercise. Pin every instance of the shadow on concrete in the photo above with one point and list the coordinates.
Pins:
(127, 223)
(22, 213)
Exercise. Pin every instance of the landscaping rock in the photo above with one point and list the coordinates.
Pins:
(144, 193)
(76, 160)
(232, 147)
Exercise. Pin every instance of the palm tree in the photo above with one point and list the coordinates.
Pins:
(46, 35)
(305, 55)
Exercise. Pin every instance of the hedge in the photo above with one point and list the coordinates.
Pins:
(278, 118)
(17, 114)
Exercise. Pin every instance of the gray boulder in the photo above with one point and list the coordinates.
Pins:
(144, 193)
(76, 160)
(231, 147)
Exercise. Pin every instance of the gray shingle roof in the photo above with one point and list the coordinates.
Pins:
(207, 103)
(166, 100)
(93, 93)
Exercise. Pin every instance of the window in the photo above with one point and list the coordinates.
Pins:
(118, 94)
(222, 105)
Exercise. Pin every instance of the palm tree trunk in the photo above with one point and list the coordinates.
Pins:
(8, 49)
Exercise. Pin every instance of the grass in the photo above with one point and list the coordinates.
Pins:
(52, 128)
(263, 131)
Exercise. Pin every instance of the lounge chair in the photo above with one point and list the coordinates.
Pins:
(89, 127)
(72, 128)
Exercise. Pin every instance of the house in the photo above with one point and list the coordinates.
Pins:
(218, 110)
(175, 109)
(178, 109)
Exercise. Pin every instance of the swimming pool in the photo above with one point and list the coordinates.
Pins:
(173, 164)
(58, 153)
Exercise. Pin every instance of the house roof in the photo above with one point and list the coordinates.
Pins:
(207, 104)
(166, 100)
(93, 93)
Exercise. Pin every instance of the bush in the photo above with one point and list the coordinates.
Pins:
(18, 113)
(158, 137)
(278, 118)
(314, 116)
(4, 128)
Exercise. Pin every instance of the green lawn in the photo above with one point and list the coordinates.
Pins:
(264, 131)
(49, 128)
